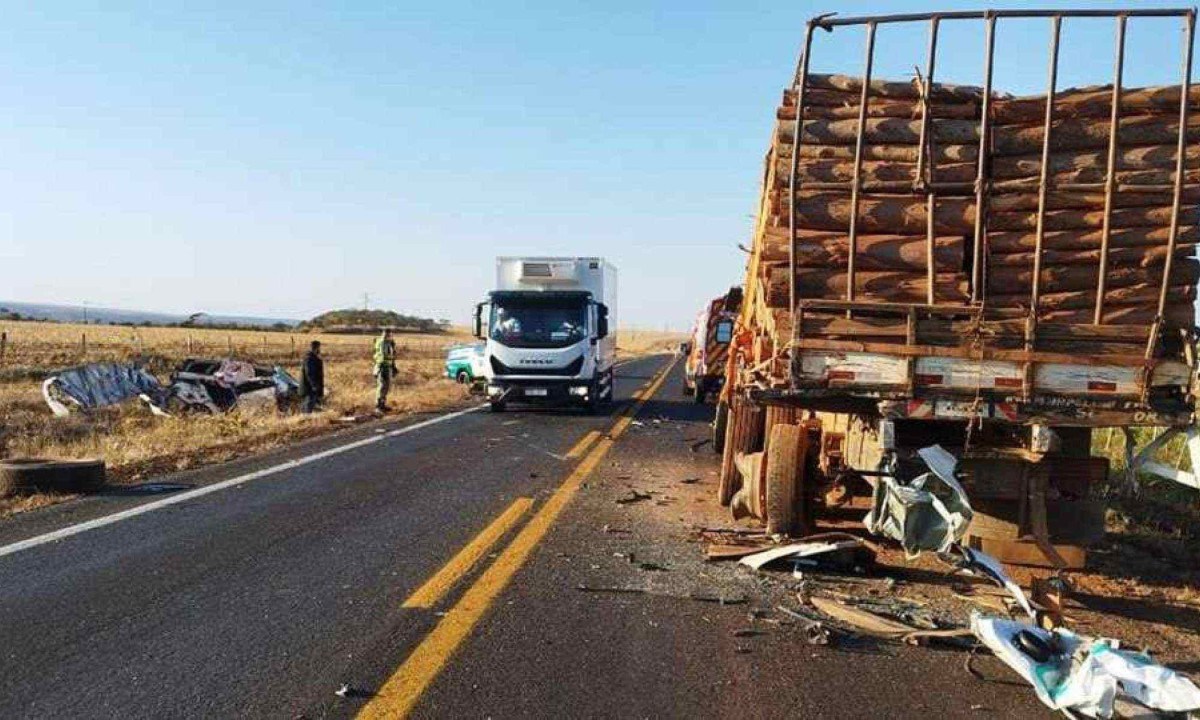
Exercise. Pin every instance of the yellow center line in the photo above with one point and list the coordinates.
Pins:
(584, 443)
(400, 693)
(437, 586)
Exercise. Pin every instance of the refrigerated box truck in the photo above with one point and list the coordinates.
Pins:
(546, 332)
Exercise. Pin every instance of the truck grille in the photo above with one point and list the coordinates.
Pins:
(570, 370)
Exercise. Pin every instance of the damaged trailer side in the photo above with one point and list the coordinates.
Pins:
(949, 265)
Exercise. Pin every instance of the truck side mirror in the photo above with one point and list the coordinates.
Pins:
(479, 321)
(601, 321)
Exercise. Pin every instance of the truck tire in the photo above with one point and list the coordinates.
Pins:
(700, 393)
(719, 423)
(744, 435)
(463, 377)
(498, 407)
(785, 452)
(24, 475)
(778, 415)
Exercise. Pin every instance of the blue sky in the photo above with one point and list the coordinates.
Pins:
(282, 160)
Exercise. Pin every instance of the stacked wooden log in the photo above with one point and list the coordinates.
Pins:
(896, 239)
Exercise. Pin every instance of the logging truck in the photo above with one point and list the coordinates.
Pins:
(704, 367)
(950, 264)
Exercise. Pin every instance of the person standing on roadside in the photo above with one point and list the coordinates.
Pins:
(385, 368)
(312, 378)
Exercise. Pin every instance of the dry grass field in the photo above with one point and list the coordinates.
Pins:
(137, 445)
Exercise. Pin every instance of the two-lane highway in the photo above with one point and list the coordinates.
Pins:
(263, 597)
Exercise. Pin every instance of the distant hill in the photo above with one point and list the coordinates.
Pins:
(114, 316)
(370, 321)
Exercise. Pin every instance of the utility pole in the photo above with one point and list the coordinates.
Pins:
(366, 301)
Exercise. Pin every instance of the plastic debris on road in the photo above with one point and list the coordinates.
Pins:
(1080, 675)
(929, 513)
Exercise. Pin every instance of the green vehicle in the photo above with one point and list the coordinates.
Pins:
(464, 363)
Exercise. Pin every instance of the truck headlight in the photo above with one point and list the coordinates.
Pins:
(579, 390)
(494, 390)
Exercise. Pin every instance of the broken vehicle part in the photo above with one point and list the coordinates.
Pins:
(98, 385)
(930, 513)
(842, 553)
(1082, 675)
(865, 622)
(979, 563)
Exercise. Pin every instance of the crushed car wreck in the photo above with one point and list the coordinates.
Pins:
(209, 386)
(219, 385)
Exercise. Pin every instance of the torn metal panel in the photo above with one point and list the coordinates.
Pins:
(97, 385)
(930, 513)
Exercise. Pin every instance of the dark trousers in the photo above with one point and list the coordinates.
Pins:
(310, 403)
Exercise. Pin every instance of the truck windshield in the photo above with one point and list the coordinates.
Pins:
(538, 322)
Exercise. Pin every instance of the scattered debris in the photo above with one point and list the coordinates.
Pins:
(1083, 675)
(850, 553)
(695, 446)
(979, 563)
(747, 632)
(930, 513)
(690, 481)
(610, 529)
(632, 497)
(653, 567)
(815, 632)
(866, 622)
(732, 552)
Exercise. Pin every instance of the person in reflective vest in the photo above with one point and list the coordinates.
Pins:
(385, 368)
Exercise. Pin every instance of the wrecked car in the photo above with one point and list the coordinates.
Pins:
(212, 386)
(217, 386)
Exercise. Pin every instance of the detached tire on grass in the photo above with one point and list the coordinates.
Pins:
(27, 475)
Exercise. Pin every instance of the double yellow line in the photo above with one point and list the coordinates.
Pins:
(402, 690)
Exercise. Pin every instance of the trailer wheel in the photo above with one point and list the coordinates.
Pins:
(463, 377)
(743, 435)
(785, 454)
(719, 424)
(700, 394)
(24, 475)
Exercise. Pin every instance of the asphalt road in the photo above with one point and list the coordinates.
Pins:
(263, 598)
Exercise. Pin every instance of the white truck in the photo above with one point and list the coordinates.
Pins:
(546, 332)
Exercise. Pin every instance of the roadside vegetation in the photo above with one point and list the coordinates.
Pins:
(137, 445)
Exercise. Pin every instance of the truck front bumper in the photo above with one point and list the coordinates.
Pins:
(556, 391)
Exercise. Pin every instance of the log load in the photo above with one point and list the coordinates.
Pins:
(896, 240)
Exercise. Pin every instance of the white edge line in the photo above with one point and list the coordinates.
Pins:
(116, 517)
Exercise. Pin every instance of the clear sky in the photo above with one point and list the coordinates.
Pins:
(285, 159)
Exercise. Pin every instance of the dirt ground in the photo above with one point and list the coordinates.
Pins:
(664, 513)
